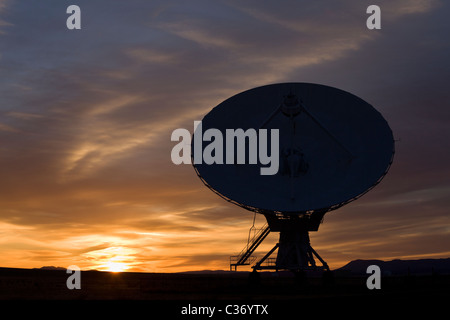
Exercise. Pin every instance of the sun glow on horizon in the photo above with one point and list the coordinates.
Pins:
(114, 266)
(114, 259)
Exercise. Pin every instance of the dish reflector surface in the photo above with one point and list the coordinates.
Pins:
(333, 147)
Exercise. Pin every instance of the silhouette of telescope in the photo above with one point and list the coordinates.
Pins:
(333, 148)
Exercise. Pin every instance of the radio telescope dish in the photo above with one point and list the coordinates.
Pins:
(344, 145)
(333, 148)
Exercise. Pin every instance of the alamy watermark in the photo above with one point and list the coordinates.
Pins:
(73, 281)
(374, 280)
(74, 20)
(230, 149)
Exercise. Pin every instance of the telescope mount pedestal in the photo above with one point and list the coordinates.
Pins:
(294, 249)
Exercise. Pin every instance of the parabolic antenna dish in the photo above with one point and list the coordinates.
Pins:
(333, 147)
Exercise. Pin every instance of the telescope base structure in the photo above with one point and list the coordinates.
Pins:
(294, 249)
(294, 253)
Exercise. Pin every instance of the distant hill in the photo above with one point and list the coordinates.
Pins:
(399, 267)
(51, 268)
(205, 272)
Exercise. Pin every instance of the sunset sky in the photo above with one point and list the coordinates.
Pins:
(86, 117)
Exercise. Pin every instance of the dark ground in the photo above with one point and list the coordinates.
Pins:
(171, 292)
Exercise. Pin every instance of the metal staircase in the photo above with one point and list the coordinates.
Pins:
(243, 258)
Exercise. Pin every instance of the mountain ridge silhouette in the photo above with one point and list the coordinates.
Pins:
(399, 267)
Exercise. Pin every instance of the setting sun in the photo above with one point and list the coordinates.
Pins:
(115, 266)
